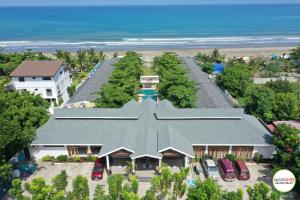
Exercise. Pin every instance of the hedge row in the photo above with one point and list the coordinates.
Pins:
(123, 83)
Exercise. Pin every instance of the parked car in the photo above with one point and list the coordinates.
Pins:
(98, 162)
(198, 168)
(242, 170)
(227, 170)
(97, 173)
(210, 168)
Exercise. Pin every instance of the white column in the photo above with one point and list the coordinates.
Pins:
(159, 162)
(133, 165)
(186, 161)
(230, 150)
(206, 150)
(107, 162)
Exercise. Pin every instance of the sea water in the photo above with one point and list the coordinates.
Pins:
(149, 27)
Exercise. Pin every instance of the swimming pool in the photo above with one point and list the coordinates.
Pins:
(149, 94)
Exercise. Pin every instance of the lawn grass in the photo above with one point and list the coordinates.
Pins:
(147, 71)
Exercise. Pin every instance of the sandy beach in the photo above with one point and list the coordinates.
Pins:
(148, 55)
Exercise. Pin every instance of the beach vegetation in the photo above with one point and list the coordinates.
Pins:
(174, 84)
(10, 61)
(123, 83)
(80, 63)
(214, 57)
(235, 79)
(208, 67)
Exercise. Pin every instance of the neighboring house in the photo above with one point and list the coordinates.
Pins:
(293, 123)
(152, 131)
(50, 79)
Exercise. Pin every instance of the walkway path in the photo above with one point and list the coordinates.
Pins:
(88, 90)
(209, 95)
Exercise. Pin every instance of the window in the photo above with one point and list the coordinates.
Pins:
(95, 149)
(36, 89)
(46, 78)
(82, 150)
(49, 92)
(21, 79)
(33, 77)
(60, 72)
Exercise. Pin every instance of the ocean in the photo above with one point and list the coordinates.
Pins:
(149, 27)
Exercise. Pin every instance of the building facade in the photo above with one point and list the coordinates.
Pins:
(156, 132)
(50, 79)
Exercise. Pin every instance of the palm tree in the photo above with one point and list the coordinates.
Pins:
(81, 58)
(59, 53)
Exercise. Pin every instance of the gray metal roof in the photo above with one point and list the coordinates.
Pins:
(146, 134)
(209, 95)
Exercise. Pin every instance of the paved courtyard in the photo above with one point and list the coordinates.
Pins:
(48, 171)
(209, 95)
(88, 91)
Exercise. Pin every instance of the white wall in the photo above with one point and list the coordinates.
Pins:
(59, 82)
(265, 151)
(38, 152)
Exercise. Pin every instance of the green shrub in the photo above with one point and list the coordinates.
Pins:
(71, 90)
(208, 68)
(62, 158)
(231, 157)
(60, 101)
(91, 159)
(77, 159)
(48, 158)
(257, 157)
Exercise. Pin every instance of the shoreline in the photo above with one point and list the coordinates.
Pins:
(148, 55)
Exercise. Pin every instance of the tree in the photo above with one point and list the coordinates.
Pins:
(261, 191)
(235, 79)
(271, 69)
(179, 185)
(80, 188)
(115, 186)
(123, 83)
(260, 101)
(295, 54)
(287, 142)
(238, 195)
(174, 84)
(204, 190)
(39, 189)
(60, 181)
(16, 190)
(286, 106)
(280, 86)
(99, 193)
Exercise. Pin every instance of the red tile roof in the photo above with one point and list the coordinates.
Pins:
(37, 68)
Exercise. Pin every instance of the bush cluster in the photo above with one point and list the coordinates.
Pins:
(123, 83)
(174, 84)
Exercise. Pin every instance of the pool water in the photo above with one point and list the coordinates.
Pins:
(149, 94)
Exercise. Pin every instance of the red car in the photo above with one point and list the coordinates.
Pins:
(98, 162)
(242, 170)
(97, 173)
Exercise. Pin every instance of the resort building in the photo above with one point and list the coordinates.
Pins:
(50, 79)
(156, 132)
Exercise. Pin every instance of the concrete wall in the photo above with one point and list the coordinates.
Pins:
(265, 151)
(58, 84)
(38, 152)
